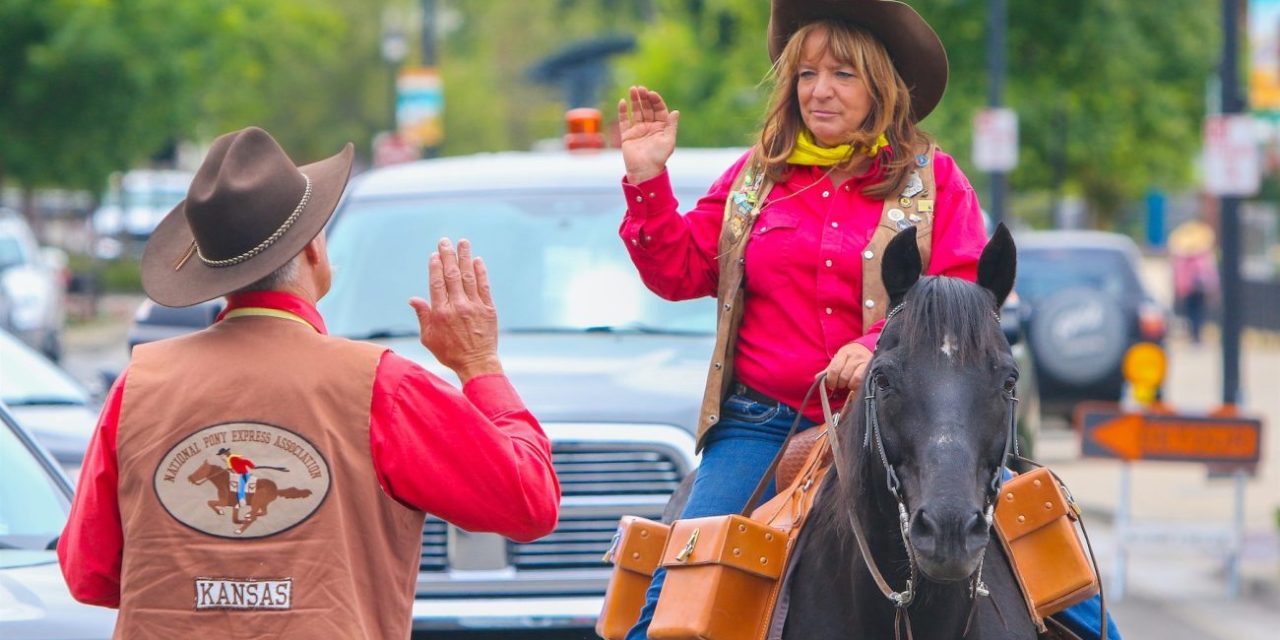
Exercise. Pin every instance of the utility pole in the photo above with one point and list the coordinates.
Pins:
(996, 27)
(430, 55)
(1229, 220)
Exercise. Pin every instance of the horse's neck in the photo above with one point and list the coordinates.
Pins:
(937, 611)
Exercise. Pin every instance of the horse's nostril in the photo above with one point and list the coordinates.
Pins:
(924, 532)
(976, 532)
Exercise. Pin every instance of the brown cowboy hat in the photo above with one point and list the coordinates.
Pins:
(915, 48)
(249, 211)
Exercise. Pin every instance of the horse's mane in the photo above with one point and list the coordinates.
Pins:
(938, 306)
(933, 309)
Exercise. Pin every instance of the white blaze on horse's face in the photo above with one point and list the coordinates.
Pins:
(949, 345)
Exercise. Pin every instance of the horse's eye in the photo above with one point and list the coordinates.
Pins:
(1011, 384)
(881, 381)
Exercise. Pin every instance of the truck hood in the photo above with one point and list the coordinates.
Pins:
(598, 377)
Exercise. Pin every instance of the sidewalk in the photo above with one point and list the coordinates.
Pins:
(1177, 587)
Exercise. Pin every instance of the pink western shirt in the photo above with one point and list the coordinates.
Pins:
(803, 263)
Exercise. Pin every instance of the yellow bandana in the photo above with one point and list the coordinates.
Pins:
(807, 152)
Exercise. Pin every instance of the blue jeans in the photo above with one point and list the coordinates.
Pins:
(738, 451)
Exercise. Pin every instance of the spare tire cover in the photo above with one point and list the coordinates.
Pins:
(1078, 335)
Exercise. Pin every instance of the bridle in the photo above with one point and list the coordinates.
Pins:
(871, 429)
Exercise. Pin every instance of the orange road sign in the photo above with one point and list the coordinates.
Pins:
(1109, 432)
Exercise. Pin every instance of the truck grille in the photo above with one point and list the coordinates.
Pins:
(592, 469)
(589, 471)
(579, 542)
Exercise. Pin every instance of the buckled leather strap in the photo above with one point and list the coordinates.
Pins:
(754, 500)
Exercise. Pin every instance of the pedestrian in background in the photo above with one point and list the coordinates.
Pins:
(351, 444)
(1195, 273)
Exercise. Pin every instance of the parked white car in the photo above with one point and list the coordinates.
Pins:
(59, 412)
(141, 201)
(33, 282)
(35, 498)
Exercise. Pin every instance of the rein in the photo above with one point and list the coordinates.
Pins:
(903, 599)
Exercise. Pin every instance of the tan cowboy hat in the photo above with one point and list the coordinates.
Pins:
(249, 211)
(1190, 238)
(915, 48)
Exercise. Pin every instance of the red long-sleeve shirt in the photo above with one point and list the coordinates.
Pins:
(239, 464)
(417, 421)
(803, 263)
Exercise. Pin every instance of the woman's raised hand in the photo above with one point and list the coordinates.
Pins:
(648, 134)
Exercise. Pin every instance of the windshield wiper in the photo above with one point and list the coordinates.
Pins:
(630, 328)
(384, 334)
(29, 401)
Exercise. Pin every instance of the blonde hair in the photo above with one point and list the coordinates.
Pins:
(890, 112)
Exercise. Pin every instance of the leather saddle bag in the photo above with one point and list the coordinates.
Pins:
(721, 573)
(1036, 522)
(635, 554)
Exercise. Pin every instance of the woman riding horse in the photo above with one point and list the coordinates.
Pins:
(789, 238)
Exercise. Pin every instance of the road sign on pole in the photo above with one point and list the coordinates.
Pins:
(1108, 431)
(995, 139)
(420, 106)
(1232, 158)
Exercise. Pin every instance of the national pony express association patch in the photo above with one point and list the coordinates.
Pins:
(242, 480)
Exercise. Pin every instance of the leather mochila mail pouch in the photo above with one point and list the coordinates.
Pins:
(635, 554)
(721, 572)
(1036, 523)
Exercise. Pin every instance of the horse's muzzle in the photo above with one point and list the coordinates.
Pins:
(949, 546)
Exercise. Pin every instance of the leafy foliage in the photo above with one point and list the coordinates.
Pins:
(1112, 90)
(88, 87)
(1110, 93)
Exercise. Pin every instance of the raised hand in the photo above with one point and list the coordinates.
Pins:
(460, 324)
(648, 134)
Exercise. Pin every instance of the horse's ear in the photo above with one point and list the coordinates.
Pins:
(998, 265)
(901, 266)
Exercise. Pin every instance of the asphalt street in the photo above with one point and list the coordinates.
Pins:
(1177, 588)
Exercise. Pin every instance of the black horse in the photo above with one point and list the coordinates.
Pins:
(917, 471)
(921, 450)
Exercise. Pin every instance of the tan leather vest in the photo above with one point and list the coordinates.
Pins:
(315, 549)
(742, 208)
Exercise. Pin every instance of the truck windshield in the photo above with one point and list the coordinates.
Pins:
(555, 264)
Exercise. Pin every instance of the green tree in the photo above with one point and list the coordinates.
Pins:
(490, 103)
(88, 87)
(1112, 91)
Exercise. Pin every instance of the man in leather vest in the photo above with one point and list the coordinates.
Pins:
(357, 442)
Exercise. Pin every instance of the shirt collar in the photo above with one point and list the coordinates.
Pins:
(875, 171)
(280, 301)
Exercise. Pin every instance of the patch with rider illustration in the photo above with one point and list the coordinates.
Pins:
(242, 480)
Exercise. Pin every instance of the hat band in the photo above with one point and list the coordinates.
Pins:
(262, 246)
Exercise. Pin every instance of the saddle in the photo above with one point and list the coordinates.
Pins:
(725, 574)
(233, 483)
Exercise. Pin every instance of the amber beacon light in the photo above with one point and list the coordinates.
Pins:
(584, 129)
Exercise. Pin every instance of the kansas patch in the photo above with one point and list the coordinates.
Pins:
(231, 593)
